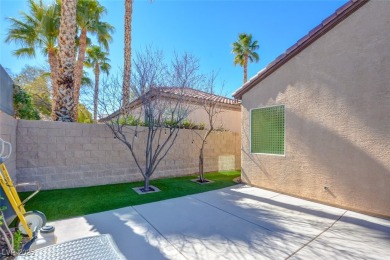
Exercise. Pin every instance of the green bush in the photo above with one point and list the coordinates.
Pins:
(17, 240)
(84, 116)
(130, 120)
(191, 125)
(170, 123)
(187, 124)
(201, 126)
(24, 108)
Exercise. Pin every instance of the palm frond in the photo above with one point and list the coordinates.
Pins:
(24, 52)
(105, 67)
(86, 81)
(103, 31)
(245, 47)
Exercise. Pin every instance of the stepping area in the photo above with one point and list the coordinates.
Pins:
(239, 222)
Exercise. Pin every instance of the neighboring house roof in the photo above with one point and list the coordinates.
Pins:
(189, 94)
(326, 25)
(200, 95)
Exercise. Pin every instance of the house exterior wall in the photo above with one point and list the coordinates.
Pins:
(65, 155)
(336, 94)
(6, 92)
(8, 133)
(227, 119)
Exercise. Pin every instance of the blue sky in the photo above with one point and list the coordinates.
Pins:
(203, 28)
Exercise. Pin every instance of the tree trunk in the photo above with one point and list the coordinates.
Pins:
(201, 157)
(64, 106)
(245, 68)
(96, 94)
(127, 51)
(201, 171)
(53, 61)
(78, 73)
(146, 183)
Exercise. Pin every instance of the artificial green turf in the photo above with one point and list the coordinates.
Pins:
(66, 203)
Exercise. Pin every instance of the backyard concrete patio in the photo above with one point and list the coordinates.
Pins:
(239, 222)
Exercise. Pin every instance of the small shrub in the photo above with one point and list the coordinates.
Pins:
(201, 126)
(187, 124)
(4, 230)
(17, 240)
(170, 123)
(130, 120)
(221, 129)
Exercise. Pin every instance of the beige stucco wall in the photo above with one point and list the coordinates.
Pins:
(63, 155)
(227, 119)
(337, 98)
(8, 133)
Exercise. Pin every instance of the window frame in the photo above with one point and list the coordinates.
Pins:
(284, 127)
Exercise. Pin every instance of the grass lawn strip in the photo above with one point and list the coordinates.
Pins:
(67, 203)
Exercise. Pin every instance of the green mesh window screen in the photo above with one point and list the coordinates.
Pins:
(267, 130)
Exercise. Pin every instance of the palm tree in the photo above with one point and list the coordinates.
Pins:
(127, 58)
(64, 103)
(244, 49)
(89, 13)
(97, 59)
(38, 30)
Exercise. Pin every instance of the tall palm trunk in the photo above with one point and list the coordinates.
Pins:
(53, 61)
(78, 73)
(127, 65)
(64, 109)
(96, 94)
(245, 68)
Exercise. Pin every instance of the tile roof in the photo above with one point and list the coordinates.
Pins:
(197, 94)
(190, 94)
(326, 25)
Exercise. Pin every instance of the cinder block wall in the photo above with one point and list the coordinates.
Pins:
(63, 155)
(8, 133)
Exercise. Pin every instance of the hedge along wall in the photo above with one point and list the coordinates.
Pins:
(65, 155)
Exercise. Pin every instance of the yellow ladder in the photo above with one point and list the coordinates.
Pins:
(10, 191)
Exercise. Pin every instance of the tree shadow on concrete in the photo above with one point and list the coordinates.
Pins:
(234, 223)
(135, 238)
(353, 235)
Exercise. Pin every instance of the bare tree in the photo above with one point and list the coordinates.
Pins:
(151, 122)
(212, 107)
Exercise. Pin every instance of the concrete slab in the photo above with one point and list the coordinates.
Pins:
(275, 212)
(135, 237)
(239, 222)
(354, 236)
(201, 231)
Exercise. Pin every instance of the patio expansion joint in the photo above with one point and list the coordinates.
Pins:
(253, 223)
(274, 196)
(158, 231)
(317, 236)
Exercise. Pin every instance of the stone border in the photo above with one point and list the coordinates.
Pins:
(138, 190)
(202, 183)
